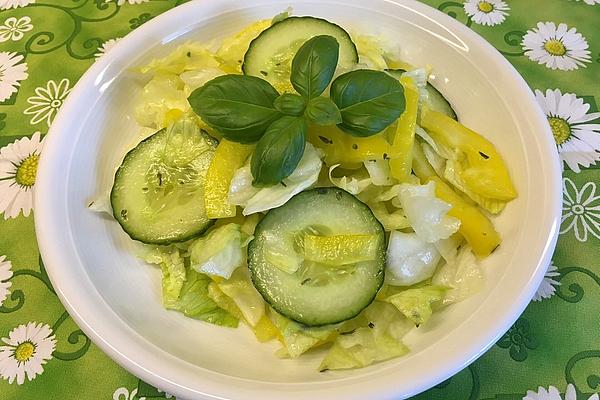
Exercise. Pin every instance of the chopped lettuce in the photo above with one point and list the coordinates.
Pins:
(409, 259)
(379, 171)
(390, 220)
(190, 56)
(375, 335)
(102, 203)
(437, 162)
(240, 289)
(219, 252)
(463, 277)
(232, 50)
(250, 223)
(194, 301)
(415, 303)
(197, 78)
(281, 16)
(296, 338)
(448, 248)
(240, 188)
(162, 94)
(242, 193)
(185, 290)
(352, 184)
(420, 77)
(173, 271)
(426, 213)
(370, 51)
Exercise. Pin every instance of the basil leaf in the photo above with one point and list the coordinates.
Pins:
(314, 64)
(240, 107)
(368, 100)
(279, 151)
(290, 104)
(323, 111)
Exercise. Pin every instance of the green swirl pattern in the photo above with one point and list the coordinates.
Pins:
(554, 343)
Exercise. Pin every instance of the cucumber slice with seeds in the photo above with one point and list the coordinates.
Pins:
(158, 192)
(270, 55)
(317, 294)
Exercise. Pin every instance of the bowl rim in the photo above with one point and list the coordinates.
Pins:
(143, 364)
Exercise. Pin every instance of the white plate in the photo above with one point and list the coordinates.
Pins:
(115, 298)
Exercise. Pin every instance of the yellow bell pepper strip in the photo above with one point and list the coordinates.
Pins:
(401, 159)
(340, 249)
(347, 150)
(228, 158)
(481, 170)
(475, 226)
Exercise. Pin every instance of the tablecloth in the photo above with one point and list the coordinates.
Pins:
(551, 352)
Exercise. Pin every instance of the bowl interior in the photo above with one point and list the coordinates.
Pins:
(116, 297)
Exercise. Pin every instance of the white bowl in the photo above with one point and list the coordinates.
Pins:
(115, 298)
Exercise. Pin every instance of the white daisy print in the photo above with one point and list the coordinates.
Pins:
(123, 393)
(7, 4)
(105, 47)
(28, 348)
(121, 2)
(548, 286)
(552, 393)
(18, 168)
(47, 101)
(577, 140)
(556, 47)
(5, 275)
(486, 12)
(12, 72)
(14, 29)
(581, 210)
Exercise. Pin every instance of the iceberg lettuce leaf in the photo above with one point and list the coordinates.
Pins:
(426, 213)
(415, 303)
(409, 259)
(298, 339)
(464, 277)
(219, 252)
(375, 335)
(353, 184)
(241, 290)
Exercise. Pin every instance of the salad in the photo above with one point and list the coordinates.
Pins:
(309, 184)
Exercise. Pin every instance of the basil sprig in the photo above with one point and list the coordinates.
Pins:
(248, 109)
(238, 106)
(313, 66)
(279, 151)
(368, 100)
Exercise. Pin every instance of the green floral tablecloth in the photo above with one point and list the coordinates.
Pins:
(551, 352)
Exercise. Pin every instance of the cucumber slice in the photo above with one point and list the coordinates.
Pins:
(158, 192)
(317, 294)
(435, 100)
(270, 55)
